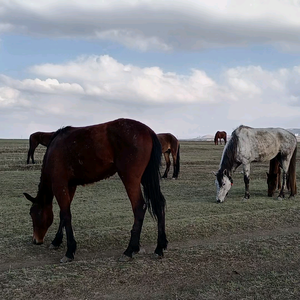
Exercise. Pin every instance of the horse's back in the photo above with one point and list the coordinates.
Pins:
(265, 143)
(91, 153)
(168, 141)
(40, 137)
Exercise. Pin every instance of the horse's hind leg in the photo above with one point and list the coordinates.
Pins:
(168, 163)
(174, 156)
(139, 207)
(30, 155)
(31, 150)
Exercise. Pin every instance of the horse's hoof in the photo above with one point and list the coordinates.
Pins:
(142, 251)
(125, 258)
(279, 198)
(245, 199)
(52, 247)
(66, 260)
(157, 256)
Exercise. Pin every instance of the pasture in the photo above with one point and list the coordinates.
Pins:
(235, 250)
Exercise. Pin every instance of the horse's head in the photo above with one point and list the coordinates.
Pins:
(223, 184)
(42, 218)
(272, 184)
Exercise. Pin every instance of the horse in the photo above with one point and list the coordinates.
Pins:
(170, 145)
(248, 145)
(219, 136)
(273, 177)
(35, 139)
(83, 155)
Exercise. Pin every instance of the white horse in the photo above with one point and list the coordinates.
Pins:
(257, 144)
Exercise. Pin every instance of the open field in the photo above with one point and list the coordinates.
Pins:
(235, 250)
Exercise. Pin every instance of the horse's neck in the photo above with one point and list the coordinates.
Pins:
(228, 161)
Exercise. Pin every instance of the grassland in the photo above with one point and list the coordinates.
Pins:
(235, 250)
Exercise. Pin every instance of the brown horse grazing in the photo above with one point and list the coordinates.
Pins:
(170, 144)
(273, 177)
(35, 139)
(83, 155)
(219, 136)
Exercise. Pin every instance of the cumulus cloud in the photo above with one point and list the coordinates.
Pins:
(158, 25)
(11, 98)
(103, 76)
(94, 89)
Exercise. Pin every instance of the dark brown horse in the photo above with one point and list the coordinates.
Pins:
(170, 145)
(219, 136)
(83, 155)
(35, 139)
(273, 177)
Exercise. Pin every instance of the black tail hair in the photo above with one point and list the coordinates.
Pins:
(151, 181)
(292, 174)
(177, 167)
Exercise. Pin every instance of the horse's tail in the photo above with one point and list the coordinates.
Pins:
(292, 174)
(177, 166)
(151, 181)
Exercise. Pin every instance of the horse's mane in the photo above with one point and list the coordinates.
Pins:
(58, 132)
(230, 151)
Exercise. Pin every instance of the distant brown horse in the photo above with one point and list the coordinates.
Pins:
(219, 136)
(83, 155)
(170, 145)
(35, 139)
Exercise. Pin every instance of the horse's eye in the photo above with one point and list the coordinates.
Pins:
(223, 184)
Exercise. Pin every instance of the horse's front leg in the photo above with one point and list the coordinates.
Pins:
(64, 196)
(71, 243)
(59, 235)
(246, 170)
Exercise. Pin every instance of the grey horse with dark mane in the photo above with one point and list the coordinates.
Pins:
(253, 145)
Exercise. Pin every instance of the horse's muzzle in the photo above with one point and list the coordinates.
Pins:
(35, 242)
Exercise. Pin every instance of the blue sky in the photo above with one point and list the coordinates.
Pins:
(186, 67)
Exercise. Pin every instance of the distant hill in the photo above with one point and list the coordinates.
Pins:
(295, 131)
(209, 137)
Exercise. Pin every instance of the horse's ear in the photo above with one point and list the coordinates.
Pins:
(267, 174)
(30, 198)
(225, 172)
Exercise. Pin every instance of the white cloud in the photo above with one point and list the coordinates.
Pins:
(159, 25)
(109, 79)
(11, 98)
(95, 89)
